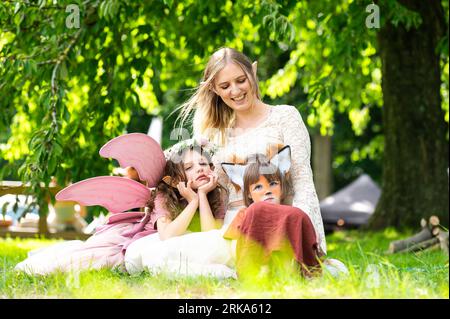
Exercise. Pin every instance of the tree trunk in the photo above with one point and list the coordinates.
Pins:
(323, 177)
(43, 213)
(415, 177)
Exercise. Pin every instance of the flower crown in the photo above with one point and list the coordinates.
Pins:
(179, 147)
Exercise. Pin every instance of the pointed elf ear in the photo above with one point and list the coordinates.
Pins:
(170, 181)
(235, 172)
(255, 67)
(282, 160)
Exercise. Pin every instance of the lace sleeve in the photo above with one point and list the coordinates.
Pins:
(297, 137)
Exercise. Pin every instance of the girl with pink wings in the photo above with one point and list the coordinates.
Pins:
(169, 205)
(183, 244)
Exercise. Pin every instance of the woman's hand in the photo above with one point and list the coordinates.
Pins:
(212, 184)
(187, 192)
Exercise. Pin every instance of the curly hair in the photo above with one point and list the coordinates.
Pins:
(174, 202)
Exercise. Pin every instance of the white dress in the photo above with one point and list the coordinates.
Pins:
(101, 250)
(192, 254)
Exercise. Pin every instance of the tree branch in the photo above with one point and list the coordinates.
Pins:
(32, 5)
(61, 58)
(54, 85)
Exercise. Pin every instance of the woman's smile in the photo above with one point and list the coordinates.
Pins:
(240, 99)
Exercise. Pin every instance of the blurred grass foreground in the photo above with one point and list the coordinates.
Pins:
(372, 274)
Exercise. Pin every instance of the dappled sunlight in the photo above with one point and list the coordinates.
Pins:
(15, 250)
(27, 244)
(391, 233)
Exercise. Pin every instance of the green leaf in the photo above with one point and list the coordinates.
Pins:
(4, 207)
(15, 207)
(168, 3)
(57, 148)
(51, 165)
(63, 73)
(17, 7)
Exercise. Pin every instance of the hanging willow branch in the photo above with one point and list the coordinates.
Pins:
(54, 84)
(42, 161)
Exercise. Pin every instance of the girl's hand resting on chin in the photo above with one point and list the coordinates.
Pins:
(210, 185)
(186, 191)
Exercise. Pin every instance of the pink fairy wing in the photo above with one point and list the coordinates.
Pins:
(116, 194)
(139, 151)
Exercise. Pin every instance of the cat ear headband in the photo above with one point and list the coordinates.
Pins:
(236, 172)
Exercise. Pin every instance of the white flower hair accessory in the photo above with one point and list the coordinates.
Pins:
(179, 147)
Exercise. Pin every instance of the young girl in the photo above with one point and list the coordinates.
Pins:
(188, 185)
(105, 249)
(192, 201)
(259, 240)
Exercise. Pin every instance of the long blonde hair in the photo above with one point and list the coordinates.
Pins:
(212, 116)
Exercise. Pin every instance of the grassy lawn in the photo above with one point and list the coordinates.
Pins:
(373, 274)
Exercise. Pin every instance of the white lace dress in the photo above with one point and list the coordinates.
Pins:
(283, 125)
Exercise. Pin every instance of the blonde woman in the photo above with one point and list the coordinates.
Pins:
(228, 110)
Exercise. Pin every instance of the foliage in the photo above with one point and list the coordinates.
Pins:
(66, 91)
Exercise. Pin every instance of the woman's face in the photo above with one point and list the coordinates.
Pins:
(266, 191)
(233, 86)
(196, 168)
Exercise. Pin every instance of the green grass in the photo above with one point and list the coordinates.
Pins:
(373, 274)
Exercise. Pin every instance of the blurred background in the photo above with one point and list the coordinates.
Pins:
(370, 79)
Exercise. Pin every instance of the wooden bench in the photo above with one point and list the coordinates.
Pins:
(19, 188)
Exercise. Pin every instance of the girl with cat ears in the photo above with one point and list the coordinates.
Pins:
(266, 227)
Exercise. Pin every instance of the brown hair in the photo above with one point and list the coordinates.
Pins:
(174, 202)
(212, 115)
(258, 166)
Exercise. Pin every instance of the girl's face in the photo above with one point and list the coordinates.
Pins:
(233, 86)
(196, 168)
(266, 191)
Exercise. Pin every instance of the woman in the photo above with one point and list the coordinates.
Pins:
(229, 112)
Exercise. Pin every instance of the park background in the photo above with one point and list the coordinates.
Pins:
(370, 79)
